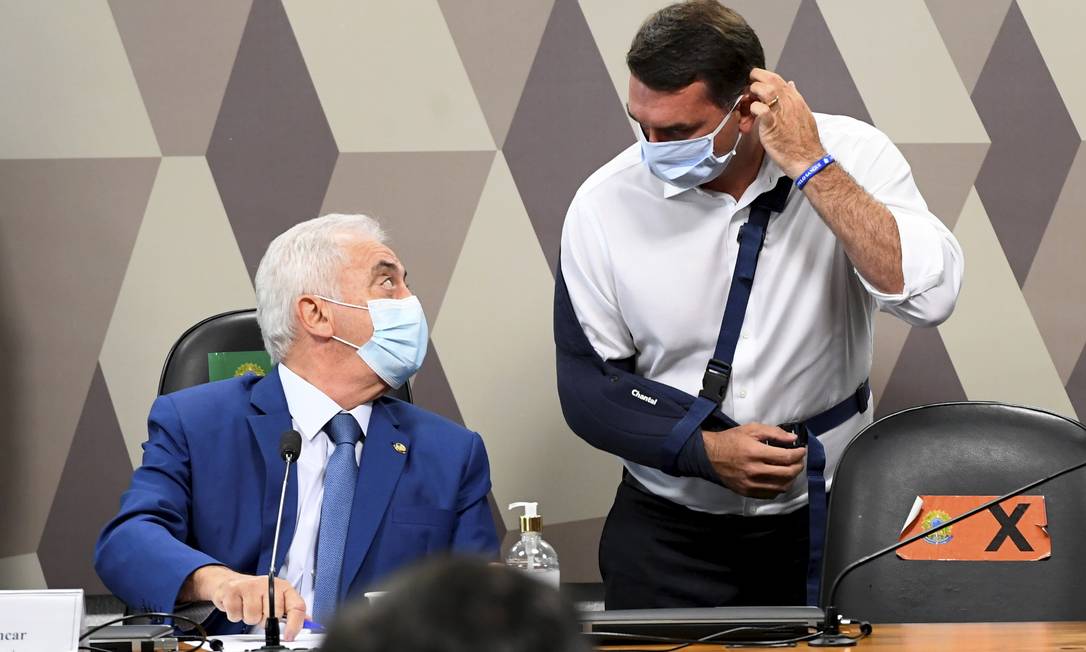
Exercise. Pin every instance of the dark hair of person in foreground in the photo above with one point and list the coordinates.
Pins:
(451, 604)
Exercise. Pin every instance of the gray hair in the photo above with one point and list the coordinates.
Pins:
(305, 259)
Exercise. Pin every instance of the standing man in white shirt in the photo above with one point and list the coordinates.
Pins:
(732, 174)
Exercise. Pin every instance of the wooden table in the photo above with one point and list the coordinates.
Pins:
(932, 637)
(939, 637)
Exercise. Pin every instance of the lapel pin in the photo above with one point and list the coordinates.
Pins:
(400, 448)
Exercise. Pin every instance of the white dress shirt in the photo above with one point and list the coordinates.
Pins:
(648, 267)
(310, 410)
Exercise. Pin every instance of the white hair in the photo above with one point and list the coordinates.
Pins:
(305, 259)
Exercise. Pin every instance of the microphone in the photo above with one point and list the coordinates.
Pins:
(830, 635)
(290, 448)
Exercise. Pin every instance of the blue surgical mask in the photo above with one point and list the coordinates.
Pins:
(400, 336)
(687, 163)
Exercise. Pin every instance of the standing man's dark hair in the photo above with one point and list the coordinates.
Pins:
(698, 39)
(453, 604)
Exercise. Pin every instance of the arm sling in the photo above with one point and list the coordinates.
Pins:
(647, 422)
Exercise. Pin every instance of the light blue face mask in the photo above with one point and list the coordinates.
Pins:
(687, 163)
(400, 336)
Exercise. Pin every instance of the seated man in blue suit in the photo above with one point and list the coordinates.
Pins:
(379, 483)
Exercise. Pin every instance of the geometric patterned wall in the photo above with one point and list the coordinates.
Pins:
(150, 151)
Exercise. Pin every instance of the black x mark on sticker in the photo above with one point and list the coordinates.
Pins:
(1008, 528)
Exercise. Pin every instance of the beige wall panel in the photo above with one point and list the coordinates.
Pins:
(969, 28)
(991, 338)
(771, 20)
(944, 173)
(1056, 285)
(1056, 26)
(496, 342)
(181, 54)
(21, 572)
(613, 25)
(389, 76)
(890, 336)
(67, 85)
(185, 266)
(497, 41)
(903, 71)
(67, 228)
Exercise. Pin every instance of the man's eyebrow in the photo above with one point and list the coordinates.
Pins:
(385, 265)
(680, 127)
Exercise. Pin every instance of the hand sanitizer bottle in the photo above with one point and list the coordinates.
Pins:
(532, 554)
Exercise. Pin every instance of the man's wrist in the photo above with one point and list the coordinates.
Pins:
(202, 583)
(801, 164)
(693, 460)
(814, 170)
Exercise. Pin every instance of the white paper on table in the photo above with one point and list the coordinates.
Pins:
(241, 642)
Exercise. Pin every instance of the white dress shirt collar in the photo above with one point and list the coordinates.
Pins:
(311, 408)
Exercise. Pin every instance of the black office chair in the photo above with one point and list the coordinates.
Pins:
(236, 330)
(969, 449)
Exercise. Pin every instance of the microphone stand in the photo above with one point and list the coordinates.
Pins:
(271, 625)
(831, 635)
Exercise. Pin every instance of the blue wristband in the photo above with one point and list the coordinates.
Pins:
(818, 166)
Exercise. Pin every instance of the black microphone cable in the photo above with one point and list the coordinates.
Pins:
(203, 638)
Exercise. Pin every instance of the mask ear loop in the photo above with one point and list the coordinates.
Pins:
(348, 305)
(720, 127)
(727, 116)
(341, 303)
(353, 346)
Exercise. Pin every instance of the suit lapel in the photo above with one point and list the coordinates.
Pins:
(268, 398)
(378, 474)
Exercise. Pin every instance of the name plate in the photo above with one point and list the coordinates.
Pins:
(40, 620)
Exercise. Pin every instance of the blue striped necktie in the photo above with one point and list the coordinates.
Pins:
(339, 482)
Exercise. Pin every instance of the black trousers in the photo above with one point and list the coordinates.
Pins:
(657, 554)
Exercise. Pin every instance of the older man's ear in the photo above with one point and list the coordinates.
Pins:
(315, 316)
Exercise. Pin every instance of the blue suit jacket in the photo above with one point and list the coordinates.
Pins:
(208, 492)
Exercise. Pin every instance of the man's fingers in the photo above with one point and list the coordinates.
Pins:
(281, 589)
(773, 476)
(768, 481)
(771, 434)
(758, 109)
(232, 605)
(766, 76)
(280, 598)
(777, 456)
(295, 620)
(295, 610)
(254, 606)
(217, 599)
(765, 92)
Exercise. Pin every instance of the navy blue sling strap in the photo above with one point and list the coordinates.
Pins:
(647, 422)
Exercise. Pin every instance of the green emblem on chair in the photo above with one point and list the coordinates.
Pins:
(229, 364)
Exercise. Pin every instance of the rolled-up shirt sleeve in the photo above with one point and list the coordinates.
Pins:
(932, 262)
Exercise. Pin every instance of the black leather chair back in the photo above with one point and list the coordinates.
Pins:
(969, 449)
(237, 330)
